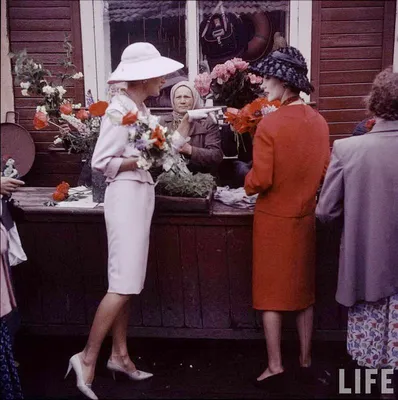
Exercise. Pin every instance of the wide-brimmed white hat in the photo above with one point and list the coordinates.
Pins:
(142, 61)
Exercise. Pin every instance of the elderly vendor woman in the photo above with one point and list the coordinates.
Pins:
(204, 148)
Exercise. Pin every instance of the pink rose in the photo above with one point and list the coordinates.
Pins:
(254, 79)
(220, 73)
(240, 65)
(202, 84)
(223, 79)
(230, 67)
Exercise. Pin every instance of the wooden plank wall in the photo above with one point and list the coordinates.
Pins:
(198, 281)
(39, 26)
(351, 42)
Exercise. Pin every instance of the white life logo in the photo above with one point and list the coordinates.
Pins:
(369, 375)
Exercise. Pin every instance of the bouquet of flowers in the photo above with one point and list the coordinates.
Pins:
(54, 108)
(35, 80)
(247, 118)
(229, 84)
(85, 124)
(151, 143)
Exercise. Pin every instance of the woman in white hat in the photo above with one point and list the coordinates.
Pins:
(128, 209)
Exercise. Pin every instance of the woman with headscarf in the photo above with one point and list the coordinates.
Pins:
(290, 155)
(204, 148)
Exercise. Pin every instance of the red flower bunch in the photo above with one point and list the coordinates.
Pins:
(40, 121)
(158, 135)
(98, 109)
(66, 108)
(61, 192)
(247, 118)
(130, 118)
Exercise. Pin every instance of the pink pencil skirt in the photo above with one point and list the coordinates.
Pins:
(128, 209)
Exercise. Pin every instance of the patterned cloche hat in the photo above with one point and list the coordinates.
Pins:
(286, 64)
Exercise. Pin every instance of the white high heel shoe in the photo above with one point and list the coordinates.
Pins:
(137, 375)
(84, 387)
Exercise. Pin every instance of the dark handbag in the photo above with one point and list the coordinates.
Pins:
(220, 34)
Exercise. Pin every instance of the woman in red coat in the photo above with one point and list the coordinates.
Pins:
(290, 155)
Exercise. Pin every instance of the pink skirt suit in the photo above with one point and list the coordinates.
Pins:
(129, 202)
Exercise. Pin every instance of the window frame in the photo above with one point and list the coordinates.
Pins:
(96, 40)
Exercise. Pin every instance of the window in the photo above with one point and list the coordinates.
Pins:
(174, 27)
(161, 23)
(239, 28)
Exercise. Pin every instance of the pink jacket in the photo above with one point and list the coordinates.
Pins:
(113, 145)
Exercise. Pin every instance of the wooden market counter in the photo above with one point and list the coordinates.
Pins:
(198, 279)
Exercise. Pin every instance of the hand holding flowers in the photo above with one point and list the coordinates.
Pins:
(152, 144)
(247, 118)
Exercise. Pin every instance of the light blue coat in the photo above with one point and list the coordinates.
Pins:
(361, 186)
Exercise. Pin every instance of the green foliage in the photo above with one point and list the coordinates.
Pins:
(185, 185)
(27, 70)
(33, 77)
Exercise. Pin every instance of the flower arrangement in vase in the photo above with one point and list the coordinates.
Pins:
(78, 126)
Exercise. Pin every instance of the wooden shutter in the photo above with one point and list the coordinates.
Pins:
(39, 26)
(351, 42)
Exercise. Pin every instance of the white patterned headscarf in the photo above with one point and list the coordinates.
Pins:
(197, 101)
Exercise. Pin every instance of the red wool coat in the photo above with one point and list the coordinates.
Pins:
(290, 157)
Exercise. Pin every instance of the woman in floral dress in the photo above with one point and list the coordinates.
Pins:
(361, 189)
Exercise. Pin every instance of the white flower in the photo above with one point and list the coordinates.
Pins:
(57, 140)
(48, 90)
(268, 109)
(78, 75)
(153, 121)
(24, 92)
(77, 106)
(41, 109)
(61, 91)
(143, 164)
(76, 123)
(35, 66)
(25, 85)
(168, 163)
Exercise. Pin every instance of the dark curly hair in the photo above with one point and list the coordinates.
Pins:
(382, 100)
